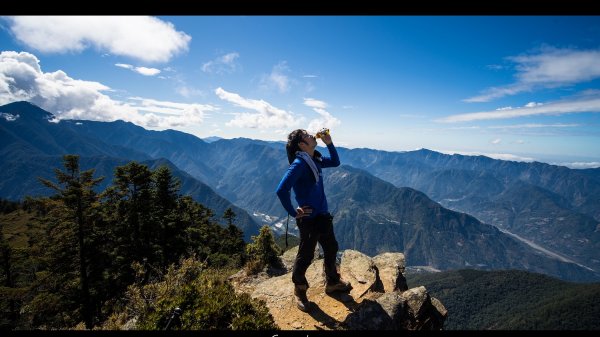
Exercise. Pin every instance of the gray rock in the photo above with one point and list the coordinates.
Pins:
(441, 309)
(417, 300)
(366, 307)
(359, 270)
(390, 268)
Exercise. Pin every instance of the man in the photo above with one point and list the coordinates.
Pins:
(314, 222)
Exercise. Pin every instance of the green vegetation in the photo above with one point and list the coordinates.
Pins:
(512, 300)
(206, 300)
(81, 259)
(263, 252)
(293, 241)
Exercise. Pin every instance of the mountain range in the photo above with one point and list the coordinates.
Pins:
(548, 205)
(417, 202)
(32, 146)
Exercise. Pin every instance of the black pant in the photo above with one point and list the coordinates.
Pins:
(318, 229)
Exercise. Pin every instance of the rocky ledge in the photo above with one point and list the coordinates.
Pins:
(380, 298)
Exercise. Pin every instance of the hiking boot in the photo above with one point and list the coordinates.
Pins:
(301, 300)
(340, 285)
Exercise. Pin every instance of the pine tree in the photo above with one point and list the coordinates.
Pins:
(263, 251)
(133, 183)
(75, 193)
(171, 235)
(233, 243)
(229, 215)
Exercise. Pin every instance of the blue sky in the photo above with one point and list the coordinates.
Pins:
(509, 87)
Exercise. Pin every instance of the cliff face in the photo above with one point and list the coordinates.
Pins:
(379, 300)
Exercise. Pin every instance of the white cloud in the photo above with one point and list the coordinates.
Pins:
(147, 71)
(501, 156)
(222, 64)
(188, 92)
(140, 70)
(173, 114)
(22, 79)
(532, 104)
(508, 156)
(277, 79)
(326, 120)
(473, 127)
(315, 104)
(496, 141)
(533, 126)
(584, 103)
(9, 117)
(310, 76)
(141, 37)
(550, 68)
(266, 115)
(580, 165)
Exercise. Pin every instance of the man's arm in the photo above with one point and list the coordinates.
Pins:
(285, 185)
(333, 160)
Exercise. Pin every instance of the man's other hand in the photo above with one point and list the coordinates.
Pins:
(303, 211)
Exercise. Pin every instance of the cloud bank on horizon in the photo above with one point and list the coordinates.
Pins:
(22, 79)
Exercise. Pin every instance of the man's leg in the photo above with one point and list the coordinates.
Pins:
(330, 248)
(306, 251)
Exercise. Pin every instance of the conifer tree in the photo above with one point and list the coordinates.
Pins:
(232, 243)
(229, 215)
(171, 229)
(77, 199)
(133, 185)
(263, 251)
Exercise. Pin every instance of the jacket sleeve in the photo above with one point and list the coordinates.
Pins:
(333, 160)
(285, 185)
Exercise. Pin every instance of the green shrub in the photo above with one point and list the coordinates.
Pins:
(206, 299)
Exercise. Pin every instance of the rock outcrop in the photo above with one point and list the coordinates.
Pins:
(379, 300)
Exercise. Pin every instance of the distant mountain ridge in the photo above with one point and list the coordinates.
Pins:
(246, 172)
(483, 187)
(211, 139)
(31, 133)
(374, 216)
(27, 155)
(414, 168)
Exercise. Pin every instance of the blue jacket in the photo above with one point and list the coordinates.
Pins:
(308, 193)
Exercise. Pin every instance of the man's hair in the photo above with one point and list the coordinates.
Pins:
(292, 146)
(292, 143)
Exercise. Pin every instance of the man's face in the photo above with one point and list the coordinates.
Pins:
(309, 140)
